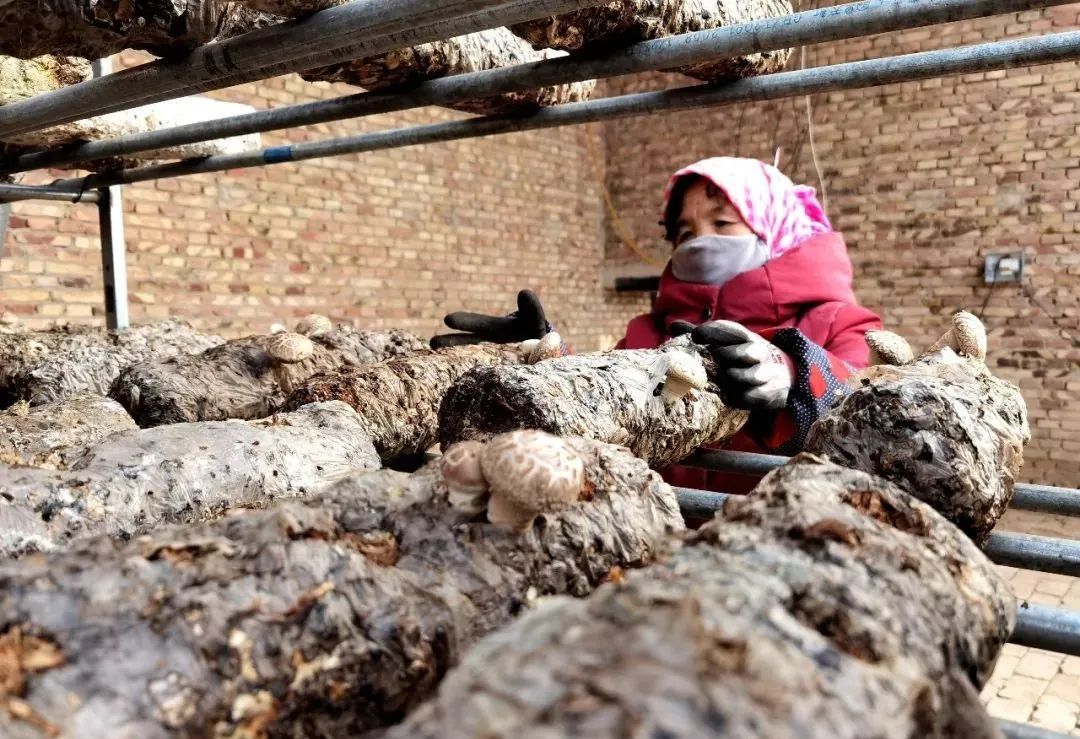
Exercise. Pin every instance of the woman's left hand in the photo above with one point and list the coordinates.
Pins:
(751, 372)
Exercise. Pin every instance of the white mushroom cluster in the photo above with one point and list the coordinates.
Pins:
(311, 325)
(516, 476)
(966, 337)
(537, 350)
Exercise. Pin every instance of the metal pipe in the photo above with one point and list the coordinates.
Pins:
(1043, 627)
(965, 60)
(1042, 553)
(1060, 556)
(1026, 496)
(809, 27)
(14, 193)
(1046, 499)
(355, 30)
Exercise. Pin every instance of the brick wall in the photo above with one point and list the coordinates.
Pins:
(383, 239)
(923, 178)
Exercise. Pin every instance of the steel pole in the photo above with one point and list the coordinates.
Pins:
(854, 75)
(113, 243)
(809, 27)
(355, 30)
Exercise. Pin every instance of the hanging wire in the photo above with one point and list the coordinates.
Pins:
(990, 291)
(617, 223)
(1065, 333)
(810, 134)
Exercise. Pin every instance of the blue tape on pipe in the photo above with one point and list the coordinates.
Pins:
(277, 154)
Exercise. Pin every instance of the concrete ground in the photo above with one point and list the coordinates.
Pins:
(1031, 685)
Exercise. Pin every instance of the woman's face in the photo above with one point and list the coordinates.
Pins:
(706, 211)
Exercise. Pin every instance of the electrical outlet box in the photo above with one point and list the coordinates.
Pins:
(1004, 267)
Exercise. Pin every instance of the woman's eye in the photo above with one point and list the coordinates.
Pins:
(722, 224)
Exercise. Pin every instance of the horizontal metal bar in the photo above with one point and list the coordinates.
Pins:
(636, 284)
(965, 60)
(1042, 553)
(1046, 499)
(1026, 496)
(699, 503)
(1043, 627)
(809, 27)
(1014, 730)
(741, 462)
(355, 30)
(13, 193)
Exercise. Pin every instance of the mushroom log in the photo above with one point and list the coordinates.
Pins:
(624, 22)
(398, 400)
(653, 401)
(474, 52)
(43, 366)
(93, 29)
(134, 481)
(53, 433)
(941, 427)
(321, 617)
(248, 378)
(827, 604)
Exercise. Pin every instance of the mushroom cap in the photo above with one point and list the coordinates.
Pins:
(549, 347)
(288, 347)
(460, 467)
(533, 471)
(277, 328)
(969, 335)
(890, 348)
(684, 372)
(314, 324)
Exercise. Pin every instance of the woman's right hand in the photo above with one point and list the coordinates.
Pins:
(527, 322)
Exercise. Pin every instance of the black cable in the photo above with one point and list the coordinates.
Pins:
(1053, 319)
(990, 292)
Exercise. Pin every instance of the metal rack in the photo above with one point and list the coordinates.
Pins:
(368, 27)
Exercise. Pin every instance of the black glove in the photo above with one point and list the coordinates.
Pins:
(527, 322)
(751, 372)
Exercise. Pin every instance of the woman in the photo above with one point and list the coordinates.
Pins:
(762, 281)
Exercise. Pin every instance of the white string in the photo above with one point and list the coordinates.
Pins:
(810, 132)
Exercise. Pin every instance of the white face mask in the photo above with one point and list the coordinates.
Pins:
(715, 259)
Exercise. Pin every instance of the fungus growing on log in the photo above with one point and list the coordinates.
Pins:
(610, 396)
(240, 379)
(43, 366)
(466, 485)
(398, 400)
(941, 427)
(624, 22)
(826, 604)
(323, 617)
(489, 49)
(134, 481)
(529, 473)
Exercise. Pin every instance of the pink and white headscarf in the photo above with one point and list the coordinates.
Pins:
(782, 213)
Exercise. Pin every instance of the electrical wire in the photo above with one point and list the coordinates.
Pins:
(990, 291)
(1065, 333)
(810, 134)
(620, 228)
